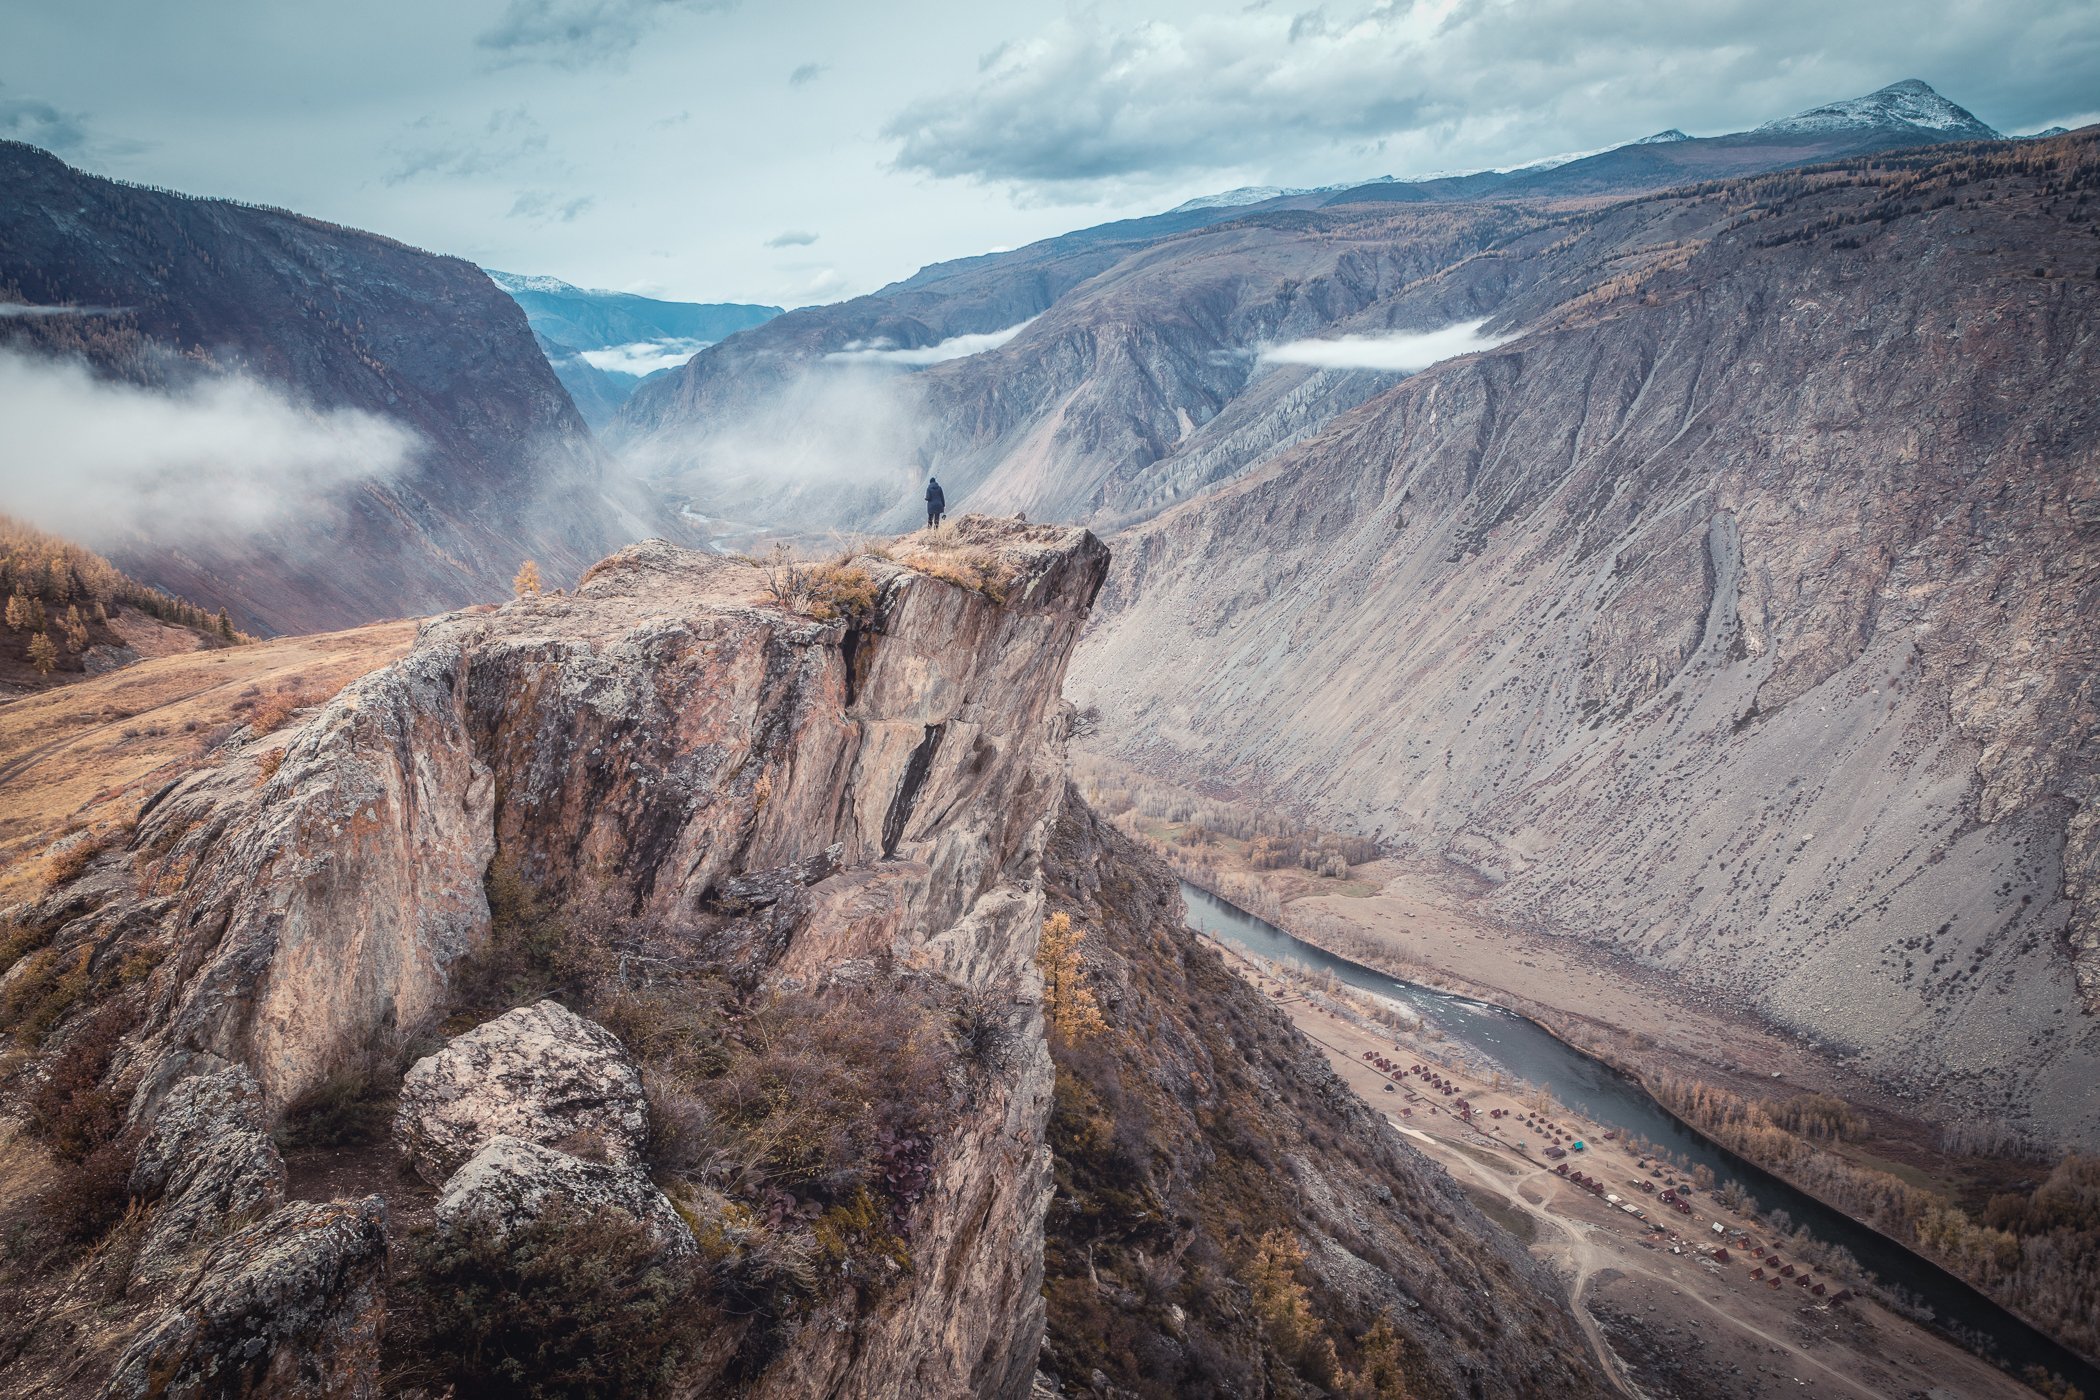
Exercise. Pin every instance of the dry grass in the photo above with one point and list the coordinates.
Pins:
(87, 753)
(832, 591)
(946, 553)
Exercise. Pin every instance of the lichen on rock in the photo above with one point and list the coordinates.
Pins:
(540, 1073)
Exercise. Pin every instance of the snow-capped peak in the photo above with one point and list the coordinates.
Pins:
(1909, 103)
(528, 282)
(1232, 199)
(1661, 138)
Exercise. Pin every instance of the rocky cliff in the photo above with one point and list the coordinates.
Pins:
(635, 991)
(186, 291)
(1738, 614)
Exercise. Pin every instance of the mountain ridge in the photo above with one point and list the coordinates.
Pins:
(339, 319)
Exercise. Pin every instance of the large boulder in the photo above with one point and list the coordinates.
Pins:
(289, 1307)
(540, 1073)
(511, 1182)
(209, 1163)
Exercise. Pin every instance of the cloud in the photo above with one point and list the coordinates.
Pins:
(544, 207)
(807, 73)
(511, 138)
(793, 238)
(955, 347)
(644, 356)
(826, 442)
(1087, 102)
(19, 310)
(98, 461)
(580, 33)
(1402, 352)
(41, 124)
(63, 133)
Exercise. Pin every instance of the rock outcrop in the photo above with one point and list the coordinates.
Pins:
(208, 1162)
(540, 1073)
(804, 800)
(511, 1182)
(289, 1307)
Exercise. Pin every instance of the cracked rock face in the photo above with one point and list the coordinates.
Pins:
(209, 1163)
(540, 1073)
(289, 1307)
(511, 1182)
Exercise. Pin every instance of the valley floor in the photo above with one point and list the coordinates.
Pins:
(1664, 1315)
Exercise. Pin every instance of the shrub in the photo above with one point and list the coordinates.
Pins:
(571, 1305)
(532, 950)
(837, 591)
(830, 1091)
(70, 861)
(82, 1120)
(47, 986)
(19, 940)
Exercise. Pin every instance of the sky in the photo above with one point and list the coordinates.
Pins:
(804, 151)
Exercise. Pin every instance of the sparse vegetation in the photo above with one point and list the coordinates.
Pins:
(2033, 1249)
(837, 590)
(574, 1306)
(794, 1128)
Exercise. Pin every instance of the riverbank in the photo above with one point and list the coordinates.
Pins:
(1895, 1169)
(1669, 1306)
(1589, 1085)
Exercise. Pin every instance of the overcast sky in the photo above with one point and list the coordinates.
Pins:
(793, 152)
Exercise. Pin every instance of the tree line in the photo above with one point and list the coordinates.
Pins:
(58, 593)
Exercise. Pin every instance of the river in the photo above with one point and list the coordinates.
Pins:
(1602, 1094)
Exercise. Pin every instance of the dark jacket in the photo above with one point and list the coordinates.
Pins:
(935, 498)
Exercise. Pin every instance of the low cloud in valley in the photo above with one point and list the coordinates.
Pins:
(99, 461)
(1403, 352)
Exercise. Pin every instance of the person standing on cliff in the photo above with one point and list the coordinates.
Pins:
(936, 502)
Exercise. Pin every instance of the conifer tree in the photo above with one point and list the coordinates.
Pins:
(527, 583)
(1068, 1005)
(17, 612)
(43, 652)
(1381, 1373)
(223, 625)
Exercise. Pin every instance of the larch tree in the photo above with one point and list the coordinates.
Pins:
(17, 612)
(1068, 1004)
(43, 652)
(527, 583)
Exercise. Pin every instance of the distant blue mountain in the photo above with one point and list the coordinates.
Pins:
(602, 344)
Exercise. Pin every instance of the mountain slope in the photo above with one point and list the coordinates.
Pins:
(92, 617)
(1132, 342)
(1740, 615)
(338, 319)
